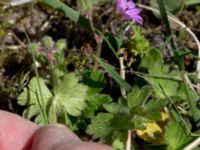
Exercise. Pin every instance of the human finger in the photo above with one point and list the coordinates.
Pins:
(15, 132)
(60, 137)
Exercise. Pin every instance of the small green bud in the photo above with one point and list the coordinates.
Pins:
(60, 45)
(47, 41)
(35, 48)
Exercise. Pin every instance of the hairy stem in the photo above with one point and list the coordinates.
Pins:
(98, 38)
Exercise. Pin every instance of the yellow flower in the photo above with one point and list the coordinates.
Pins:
(153, 133)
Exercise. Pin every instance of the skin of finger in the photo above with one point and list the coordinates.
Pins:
(59, 137)
(47, 137)
(15, 132)
(82, 146)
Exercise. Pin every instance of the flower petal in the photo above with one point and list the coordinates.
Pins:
(129, 11)
(130, 5)
(121, 6)
(133, 11)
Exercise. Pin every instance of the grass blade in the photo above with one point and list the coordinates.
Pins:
(40, 100)
(115, 75)
(108, 43)
(192, 2)
(163, 13)
(69, 12)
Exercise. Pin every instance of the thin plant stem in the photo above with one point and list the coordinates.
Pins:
(54, 85)
(53, 110)
(123, 92)
(108, 43)
(122, 70)
(128, 141)
(52, 74)
(163, 13)
(40, 99)
(97, 38)
(193, 144)
(191, 102)
(17, 39)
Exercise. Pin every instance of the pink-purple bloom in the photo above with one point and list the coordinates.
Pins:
(49, 52)
(129, 11)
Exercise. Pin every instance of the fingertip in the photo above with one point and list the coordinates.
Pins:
(81, 146)
(92, 146)
(55, 134)
(58, 136)
(16, 132)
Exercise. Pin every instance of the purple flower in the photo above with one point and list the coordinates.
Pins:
(128, 10)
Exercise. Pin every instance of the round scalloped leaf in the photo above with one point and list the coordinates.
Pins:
(71, 94)
(30, 97)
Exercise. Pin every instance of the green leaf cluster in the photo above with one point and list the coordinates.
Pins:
(176, 136)
(95, 99)
(49, 46)
(160, 76)
(144, 103)
(169, 83)
(68, 98)
(126, 114)
(76, 103)
(137, 43)
(30, 98)
(71, 94)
